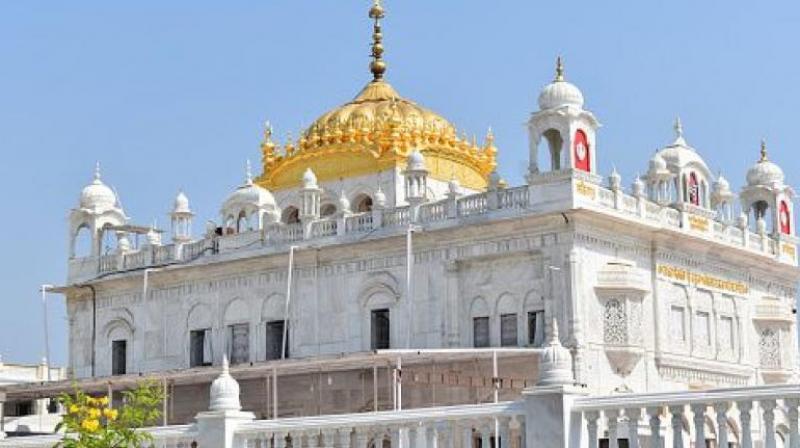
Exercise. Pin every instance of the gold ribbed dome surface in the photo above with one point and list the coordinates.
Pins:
(378, 106)
(374, 132)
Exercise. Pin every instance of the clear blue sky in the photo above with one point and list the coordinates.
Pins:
(171, 95)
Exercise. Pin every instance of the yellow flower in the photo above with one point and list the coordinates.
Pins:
(73, 409)
(90, 425)
(94, 413)
(103, 400)
(110, 414)
(89, 401)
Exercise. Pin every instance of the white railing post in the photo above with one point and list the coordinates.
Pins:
(677, 426)
(794, 436)
(362, 437)
(634, 415)
(744, 418)
(722, 423)
(655, 426)
(327, 437)
(768, 408)
(612, 418)
(591, 427)
(504, 433)
(486, 436)
(699, 416)
(344, 437)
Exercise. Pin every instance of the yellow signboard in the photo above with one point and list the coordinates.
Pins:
(700, 279)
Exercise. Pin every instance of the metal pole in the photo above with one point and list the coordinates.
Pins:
(375, 387)
(46, 331)
(409, 281)
(288, 299)
(274, 393)
(110, 395)
(399, 383)
(496, 384)
(164, 404)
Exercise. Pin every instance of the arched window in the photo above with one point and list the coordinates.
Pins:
(290, 215)
(363, 203)
(785, 218)
(581, 151)
(241, 223)
(327, 210)
(82, 244)
(694, 189)
(554, 142)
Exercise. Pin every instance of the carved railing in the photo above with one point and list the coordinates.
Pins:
(743, 417)
(324, 227)
(433, 211)
(108, 263)
(474, 204)
(515, 198)
(363, 222)
(138, 259)
(449, 426)
(396, 217)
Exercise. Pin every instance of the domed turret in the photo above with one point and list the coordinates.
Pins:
(560, 92)
(181, 204)
(248, 202)
(765, 172)
(97, 195)
(224, 395)
(415, 161)
(309, 179)
(380, 198)
(555, 362)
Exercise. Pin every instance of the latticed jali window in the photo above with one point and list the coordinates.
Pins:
(769, 347)
(615, 323)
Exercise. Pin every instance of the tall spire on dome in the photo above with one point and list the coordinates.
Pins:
(377, 66)
(679, 140)
(97, 171)
(559, 69)
(763, 151)
(248, 173)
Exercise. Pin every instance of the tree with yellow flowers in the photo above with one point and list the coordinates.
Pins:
(91, 422)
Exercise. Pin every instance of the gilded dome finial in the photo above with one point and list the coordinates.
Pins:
(377, 66)
(559, 69)
(763, 151)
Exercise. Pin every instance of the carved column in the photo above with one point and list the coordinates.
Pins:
(634, 415)
(677, 426)
(744, 419)
(722, 423)
(794, 437)
(591, 427)
(768, 408)
(699, 411)
(612, 416)
(655, 427)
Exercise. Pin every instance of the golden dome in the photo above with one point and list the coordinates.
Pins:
(374, 132)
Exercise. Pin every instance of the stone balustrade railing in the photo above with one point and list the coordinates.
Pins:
(765, 416)
(448, 426)
(696, 221)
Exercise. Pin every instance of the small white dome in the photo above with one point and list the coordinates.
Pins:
(181, 204)
(657, 164)
(415, 161)
(560, 93)
(555, 362)
(344, 203)
(380, 197)
(309, 179)
(224, 393)
(249, 195)
(679, 153)
(97, 195)
(764, 172)
(721, 185)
